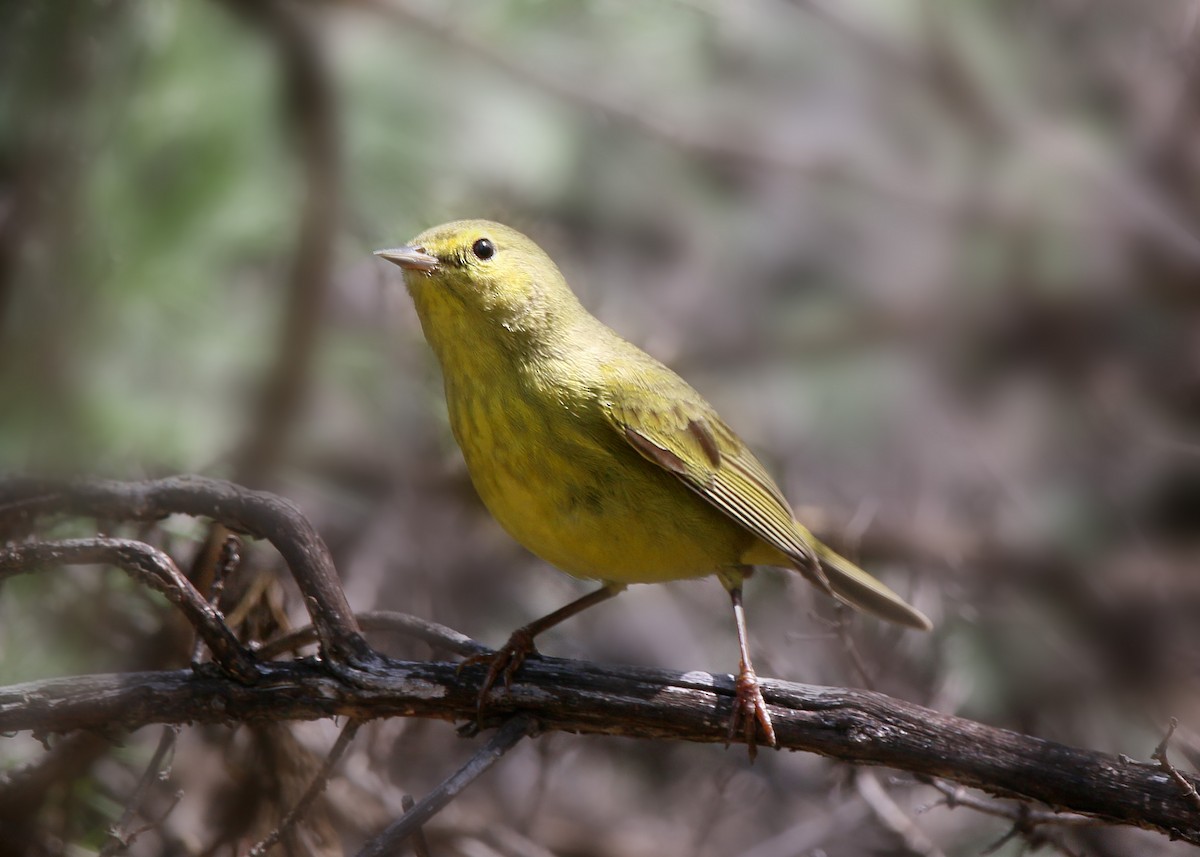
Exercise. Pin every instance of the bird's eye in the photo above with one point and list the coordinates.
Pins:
(483, 249)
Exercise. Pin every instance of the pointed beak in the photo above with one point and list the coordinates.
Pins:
(409, 258)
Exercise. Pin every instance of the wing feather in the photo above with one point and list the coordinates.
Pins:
(671, 425)
(693, 443)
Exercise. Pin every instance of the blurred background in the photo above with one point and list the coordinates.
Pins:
(938, 262)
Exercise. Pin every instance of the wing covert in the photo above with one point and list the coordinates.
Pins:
(690, 441)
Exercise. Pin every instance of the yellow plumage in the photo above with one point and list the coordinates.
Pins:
(591, 453)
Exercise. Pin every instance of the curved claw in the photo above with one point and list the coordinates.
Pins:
(505, 662)
(750, 712)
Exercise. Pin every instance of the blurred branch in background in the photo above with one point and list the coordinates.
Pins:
(48, 134)
(938, 73)
(724, 149)
(311, 129)
(311, 124)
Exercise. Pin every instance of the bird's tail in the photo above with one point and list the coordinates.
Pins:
(858, 589)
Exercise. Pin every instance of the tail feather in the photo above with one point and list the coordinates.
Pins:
(858, 589)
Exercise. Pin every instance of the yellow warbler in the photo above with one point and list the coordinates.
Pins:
(594, 455)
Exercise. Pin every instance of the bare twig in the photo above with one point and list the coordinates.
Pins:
(256, 513)
(506, 737)
(826, 164)
(319, 781)
(120, 836)
(888, 813)
(841, 624)
(227, 563)
(436, 635)
(852, 725)
(420, 843)
(1160, 756)
(1027, 823)
(1032, 836)
(805, 836)
(147, 565)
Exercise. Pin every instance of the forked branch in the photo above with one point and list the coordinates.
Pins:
(256, 513)
(856, 726)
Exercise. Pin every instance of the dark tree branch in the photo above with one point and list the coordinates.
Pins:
(436, 635)
(254, 513)
(420, 845)
(852, 725)
(409, 824)
(147, 565)
(311, 126)
(956, 796)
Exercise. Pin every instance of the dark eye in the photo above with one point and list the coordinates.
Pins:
(483, 249)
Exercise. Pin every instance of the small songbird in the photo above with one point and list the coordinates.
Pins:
(597, 457)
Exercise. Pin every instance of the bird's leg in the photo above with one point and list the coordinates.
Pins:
(506, 660)
(749, 708)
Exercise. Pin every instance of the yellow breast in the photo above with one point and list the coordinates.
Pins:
(574, 493)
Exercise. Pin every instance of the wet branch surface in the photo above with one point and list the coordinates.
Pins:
(352, 681)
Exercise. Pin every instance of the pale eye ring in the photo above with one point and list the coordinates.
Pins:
(483, 249)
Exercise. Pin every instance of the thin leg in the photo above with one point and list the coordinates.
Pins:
(749, 707)
(509, 657)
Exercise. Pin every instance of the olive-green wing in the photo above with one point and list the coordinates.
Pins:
(689, 440)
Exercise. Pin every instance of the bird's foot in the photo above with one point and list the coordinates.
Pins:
(750, 712)
(504, 662)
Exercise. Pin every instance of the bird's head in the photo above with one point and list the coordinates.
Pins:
(475, 276)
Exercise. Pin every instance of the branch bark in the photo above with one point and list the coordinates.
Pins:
(855, 726)
(149, 566)
(256, 513)
(351, 680)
